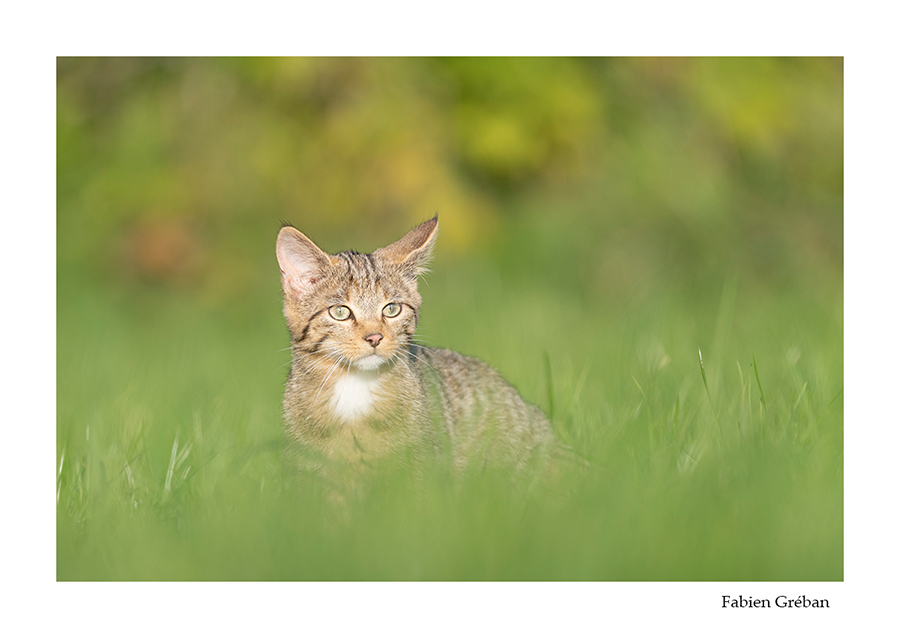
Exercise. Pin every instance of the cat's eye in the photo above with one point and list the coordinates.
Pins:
(341, 313)
(391, 310)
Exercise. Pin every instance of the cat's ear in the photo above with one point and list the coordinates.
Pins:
(302, 262)
(414, 250)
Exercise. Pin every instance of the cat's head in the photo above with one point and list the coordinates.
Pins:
(358, 309)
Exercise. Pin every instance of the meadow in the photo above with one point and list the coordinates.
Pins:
(693, 359)
(170, 451)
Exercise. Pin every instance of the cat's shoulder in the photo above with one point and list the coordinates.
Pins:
(449, 357)
(450, 362)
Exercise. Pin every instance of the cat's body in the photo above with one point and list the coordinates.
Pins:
(360, 390)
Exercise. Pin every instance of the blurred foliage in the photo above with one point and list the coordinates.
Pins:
(627, 175)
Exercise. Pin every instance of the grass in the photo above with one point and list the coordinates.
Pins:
(169, 442)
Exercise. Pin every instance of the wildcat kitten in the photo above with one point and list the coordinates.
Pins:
(360, 389)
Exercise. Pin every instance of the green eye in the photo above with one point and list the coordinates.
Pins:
(391, 310)
(341, 313)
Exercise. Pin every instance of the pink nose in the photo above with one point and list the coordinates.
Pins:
(374, 339)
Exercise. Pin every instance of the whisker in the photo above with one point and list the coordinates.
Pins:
(331, 371)
(405, 364)
(422, 359)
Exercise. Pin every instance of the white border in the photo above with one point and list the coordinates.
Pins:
(39, 33)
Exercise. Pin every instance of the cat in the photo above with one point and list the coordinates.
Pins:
(361, 390)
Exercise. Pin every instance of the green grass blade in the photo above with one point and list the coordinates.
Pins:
(549, 375)
(762, 396)
(706, 385)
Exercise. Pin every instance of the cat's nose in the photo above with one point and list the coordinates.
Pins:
(374, 339)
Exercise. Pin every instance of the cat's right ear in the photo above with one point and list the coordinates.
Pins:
(413, 251)
(302, 262)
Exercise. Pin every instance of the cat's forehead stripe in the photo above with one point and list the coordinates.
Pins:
(359, 268)
(364, 272)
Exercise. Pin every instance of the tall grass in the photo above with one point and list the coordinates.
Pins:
(170, 465)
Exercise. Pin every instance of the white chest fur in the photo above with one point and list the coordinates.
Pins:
(354, 394)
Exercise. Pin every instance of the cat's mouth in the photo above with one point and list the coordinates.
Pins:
(369, 362)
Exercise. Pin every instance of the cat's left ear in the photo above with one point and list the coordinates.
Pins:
(414, 250)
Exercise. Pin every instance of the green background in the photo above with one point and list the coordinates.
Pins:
(601, 221)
